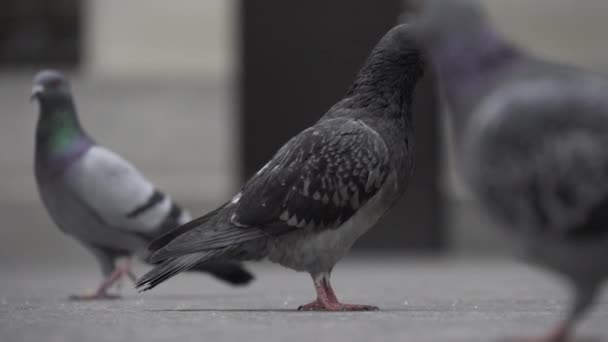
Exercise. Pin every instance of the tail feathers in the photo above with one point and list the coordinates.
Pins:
(168, 269)
(231, 272)
(171, 234)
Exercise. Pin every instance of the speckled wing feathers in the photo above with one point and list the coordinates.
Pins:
(318, 180)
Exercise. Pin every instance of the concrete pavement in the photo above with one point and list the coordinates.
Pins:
(420, 299)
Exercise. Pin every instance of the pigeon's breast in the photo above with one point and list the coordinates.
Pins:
(319, 251)
(51, 165)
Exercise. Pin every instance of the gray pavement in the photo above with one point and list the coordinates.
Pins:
(420, 299)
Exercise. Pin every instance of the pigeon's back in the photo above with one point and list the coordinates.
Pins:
(101, 199)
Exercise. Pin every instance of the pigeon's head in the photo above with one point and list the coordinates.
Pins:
(438, 21)
(401, 42)
(49, 85)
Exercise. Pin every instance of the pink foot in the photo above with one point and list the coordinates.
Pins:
(327, 299)
(337, 306)
(94, 296)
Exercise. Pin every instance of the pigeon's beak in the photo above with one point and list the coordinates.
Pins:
(36, 91)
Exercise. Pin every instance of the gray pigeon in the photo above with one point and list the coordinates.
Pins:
(532, 137)
(96, 196)
(322, 190)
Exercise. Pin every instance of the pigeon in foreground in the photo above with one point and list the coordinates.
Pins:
(96, 196)
(532, 138)
(322, 190)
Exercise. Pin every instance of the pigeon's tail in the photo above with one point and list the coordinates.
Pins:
(170, 268)
(231, 272)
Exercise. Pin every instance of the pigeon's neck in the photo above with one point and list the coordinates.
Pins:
(470, 64)
(472, 61)
(385, 84)
(59, 136)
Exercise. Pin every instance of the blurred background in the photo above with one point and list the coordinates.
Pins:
(198, 94)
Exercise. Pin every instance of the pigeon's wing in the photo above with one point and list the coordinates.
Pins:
(119, 195)
(316, 181)
(543, 153)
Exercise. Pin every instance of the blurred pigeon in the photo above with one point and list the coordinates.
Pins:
(532, 138)
(322, 190)
(96, 196)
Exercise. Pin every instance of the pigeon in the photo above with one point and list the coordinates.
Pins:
(531, 136)
(97, 197)
(322, 190)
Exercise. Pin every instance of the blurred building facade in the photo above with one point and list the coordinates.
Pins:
(168, 71)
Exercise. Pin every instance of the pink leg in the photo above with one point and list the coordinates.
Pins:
(101, 293)
(327, 299)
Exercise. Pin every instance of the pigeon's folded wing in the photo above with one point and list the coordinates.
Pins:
(316, 181)
(117, 193)
(545, 155)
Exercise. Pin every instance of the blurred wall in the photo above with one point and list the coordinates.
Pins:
(185, 51)
(186, 38)
(156, 84)
(565, 30)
